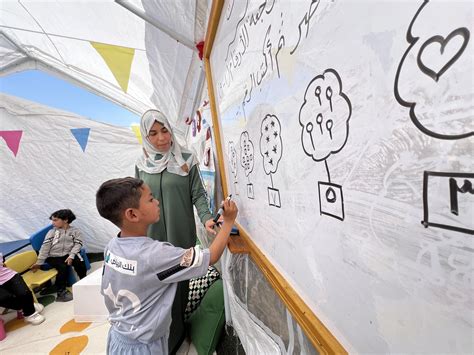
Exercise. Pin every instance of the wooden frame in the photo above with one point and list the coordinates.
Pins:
(317, 333)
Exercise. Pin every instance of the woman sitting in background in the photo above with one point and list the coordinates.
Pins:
(15, 294)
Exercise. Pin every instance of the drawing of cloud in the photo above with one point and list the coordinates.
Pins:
(233, 158)
(246, 153)
(271, 146)
(434, 77)
(324, 116)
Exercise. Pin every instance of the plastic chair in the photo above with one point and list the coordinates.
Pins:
(36, 241)
(22, 262)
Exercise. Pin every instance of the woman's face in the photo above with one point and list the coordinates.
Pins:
(160, 137)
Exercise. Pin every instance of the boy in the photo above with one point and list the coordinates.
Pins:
(61, 247)
(140, 275)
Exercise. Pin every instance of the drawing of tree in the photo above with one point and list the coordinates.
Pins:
(271, 149)
(324, 118)
(247, 160)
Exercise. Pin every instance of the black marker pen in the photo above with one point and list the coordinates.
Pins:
(221, 210)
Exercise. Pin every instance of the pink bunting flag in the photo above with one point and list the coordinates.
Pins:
(12, 138)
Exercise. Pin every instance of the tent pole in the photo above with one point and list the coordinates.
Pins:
(144, 16)
(7, 69)
(9, 39)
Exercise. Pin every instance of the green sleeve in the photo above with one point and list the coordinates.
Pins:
(199, 195)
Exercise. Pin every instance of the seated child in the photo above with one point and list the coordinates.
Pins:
(15, 294)
(61, 247)
(140, 274)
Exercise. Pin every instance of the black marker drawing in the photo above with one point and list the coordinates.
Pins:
(266, 66)
(256, 16)
(267, 58)
(432, 52)
(331, 193)
(458, 184)
(281, 44)
(237, 47)
(305, 22)
(271, 148)
(432, 73)
(230, 7)
(324, 117)
(247, 160)
(454, 189)
(236, 30)
(233, 166)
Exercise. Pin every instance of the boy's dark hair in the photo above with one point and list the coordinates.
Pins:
(116, 195)
(65, 215)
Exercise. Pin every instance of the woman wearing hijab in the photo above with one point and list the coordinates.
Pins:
(173, 176)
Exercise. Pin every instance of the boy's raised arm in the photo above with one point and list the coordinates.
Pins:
(220, 241)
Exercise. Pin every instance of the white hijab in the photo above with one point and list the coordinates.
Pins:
(172, 160)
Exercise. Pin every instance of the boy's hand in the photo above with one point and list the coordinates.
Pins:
(68, 261)
(35, 267)
(230, 211)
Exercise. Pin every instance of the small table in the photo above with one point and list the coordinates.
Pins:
(9, 248)
(89, 305)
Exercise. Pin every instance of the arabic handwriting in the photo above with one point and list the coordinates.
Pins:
(305, 21)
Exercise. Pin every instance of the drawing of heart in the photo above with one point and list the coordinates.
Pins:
(463, 32)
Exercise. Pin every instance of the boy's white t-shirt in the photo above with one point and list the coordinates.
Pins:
(139, 283)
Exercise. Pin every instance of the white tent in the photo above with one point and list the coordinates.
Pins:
(137, 54)
(53, 159)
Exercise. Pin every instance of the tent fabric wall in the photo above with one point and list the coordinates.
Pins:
(62, 37)
(60, 162)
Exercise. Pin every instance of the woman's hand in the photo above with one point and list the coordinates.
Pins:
(69, 261)
(210, 226)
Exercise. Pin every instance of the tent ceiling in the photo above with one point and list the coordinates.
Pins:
(106, 48)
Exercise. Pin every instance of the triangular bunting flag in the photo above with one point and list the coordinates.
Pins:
(118, 59)
(136, 129)
(12, 138)
(82, 136)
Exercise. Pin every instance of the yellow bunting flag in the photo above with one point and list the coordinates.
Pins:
(136, 129)
(118, 59)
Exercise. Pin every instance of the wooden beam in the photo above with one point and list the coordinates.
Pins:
(214, 19)
(237, 245)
